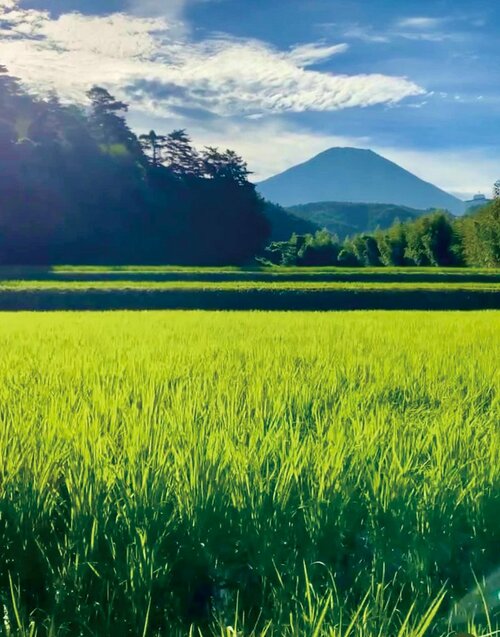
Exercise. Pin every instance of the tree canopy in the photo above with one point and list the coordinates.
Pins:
(77, 185)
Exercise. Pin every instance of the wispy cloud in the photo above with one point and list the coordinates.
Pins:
(418, 28)
(313, 53)
(172, 10)
(366, 34)
(160, 69)
(424, 28)
(420, 22)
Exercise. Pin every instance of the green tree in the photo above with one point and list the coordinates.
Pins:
(481, 237)
(320, 249)
(347, 257)
(392, 245)
(366, 250)
(415, 252)
(432, 240)
(286, 253)
(496, 189)
(441, 241)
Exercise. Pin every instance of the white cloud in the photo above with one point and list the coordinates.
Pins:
(308, 54)
(418, 28)
(115, 37)
(169, 9)
(429, 36)
(366, 34)
(148, 61)
(420, 22)
(163, 8)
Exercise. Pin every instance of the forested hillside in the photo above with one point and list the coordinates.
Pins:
(344, 219)
(78, 186)
(284, 222)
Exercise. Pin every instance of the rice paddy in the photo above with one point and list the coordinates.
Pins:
(253, 289)
(249, 473)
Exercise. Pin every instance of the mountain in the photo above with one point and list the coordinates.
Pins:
(345, 219)
(355, 175)
(285, 223)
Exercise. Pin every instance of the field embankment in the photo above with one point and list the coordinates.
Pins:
(262, 289)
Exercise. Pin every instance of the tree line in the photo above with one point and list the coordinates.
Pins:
(435, 239)
(77, 185)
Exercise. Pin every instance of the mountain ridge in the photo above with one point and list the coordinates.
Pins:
(355, 175)
(348, 219)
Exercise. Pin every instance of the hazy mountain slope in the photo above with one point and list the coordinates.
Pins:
(346, 219)
(355, 175)
(285, 223)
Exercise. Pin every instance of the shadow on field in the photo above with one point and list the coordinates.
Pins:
(255, 299)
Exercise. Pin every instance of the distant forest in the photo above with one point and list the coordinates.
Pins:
(77, 186)
(348, 219)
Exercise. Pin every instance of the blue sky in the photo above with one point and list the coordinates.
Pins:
(280, 80)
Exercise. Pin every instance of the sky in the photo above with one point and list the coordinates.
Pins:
(282, 80)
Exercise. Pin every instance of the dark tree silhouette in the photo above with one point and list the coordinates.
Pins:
(108, 122)
(227, 165)
(77, 185)
(154, 146)
(181, 158)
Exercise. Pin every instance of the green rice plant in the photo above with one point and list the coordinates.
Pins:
(277, 474)
(50, 295)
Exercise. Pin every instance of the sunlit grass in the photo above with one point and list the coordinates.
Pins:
(247, 473)
(242, 285)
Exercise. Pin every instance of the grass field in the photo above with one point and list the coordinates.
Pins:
(277, 474)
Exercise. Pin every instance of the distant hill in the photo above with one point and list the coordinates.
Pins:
(284, 223)
(355, 175)
(346, 219)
